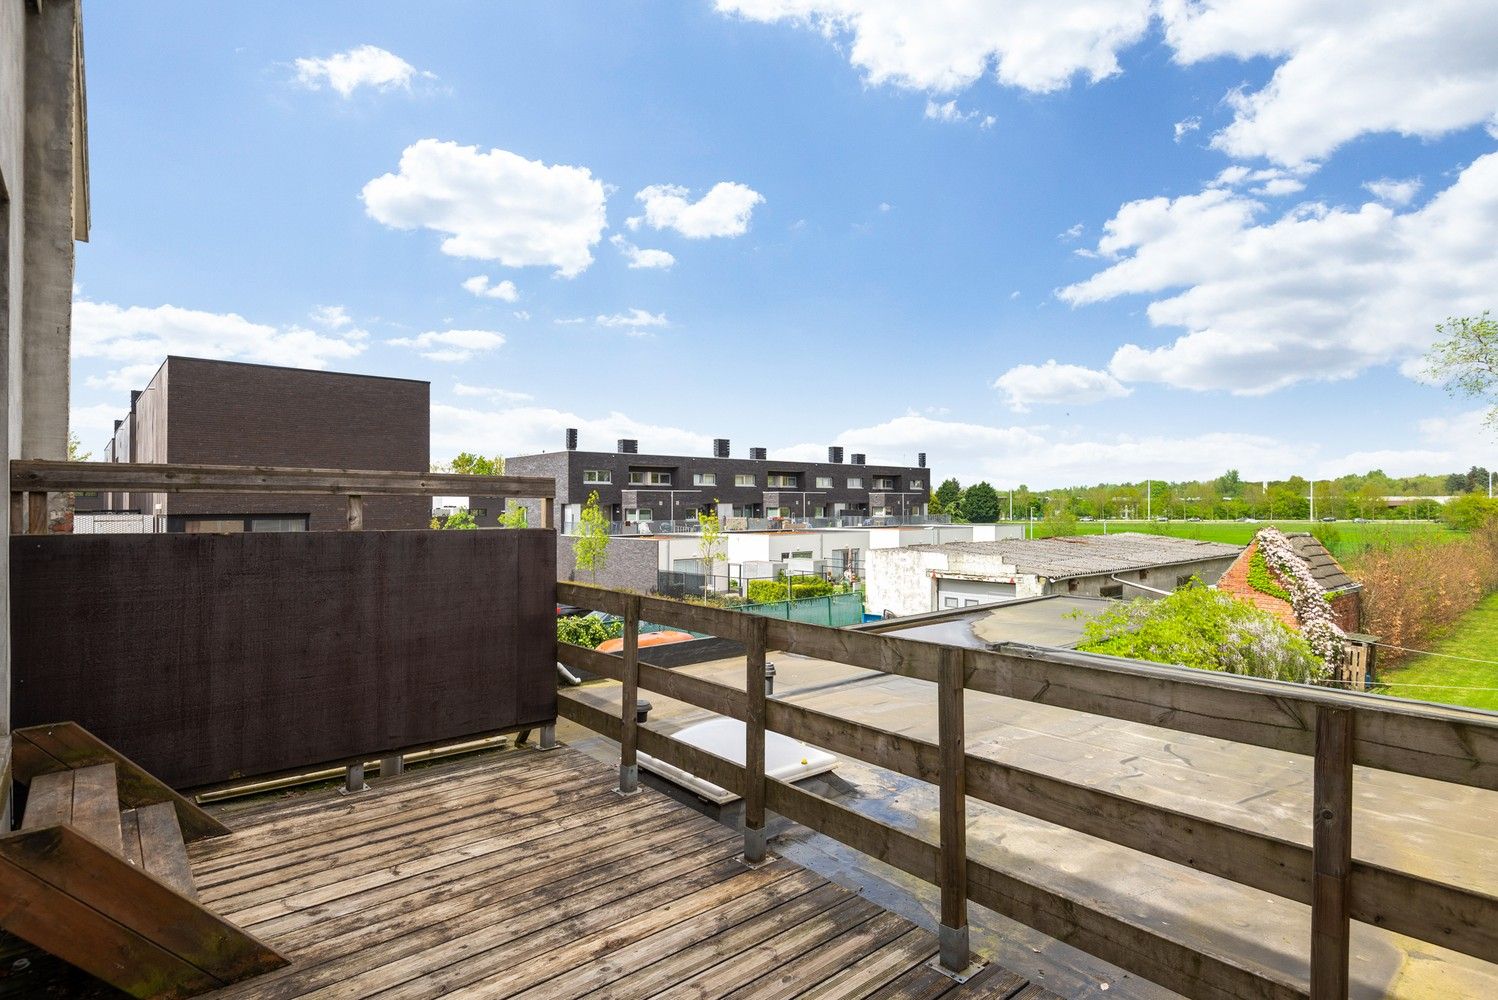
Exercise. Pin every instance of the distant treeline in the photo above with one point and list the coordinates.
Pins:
(1228, 496)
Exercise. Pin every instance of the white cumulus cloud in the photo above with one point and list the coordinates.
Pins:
(1318, 293)
(493, 205)
(723, 211)
(363, 66)
(946, 45)
(948, 112)
(1394, 192)
(1345, 69)
(487, 392)
(527, 430)
(636, 322)
(480, 285)
(451, 345)
(1027, 385)
(638, 257)
(138, 339)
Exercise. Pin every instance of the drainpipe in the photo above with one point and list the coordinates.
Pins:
(1131, 583)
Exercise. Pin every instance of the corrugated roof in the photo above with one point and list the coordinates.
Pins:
(1089, 555)
(1324, 568)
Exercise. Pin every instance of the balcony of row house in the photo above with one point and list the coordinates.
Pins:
(341, 763)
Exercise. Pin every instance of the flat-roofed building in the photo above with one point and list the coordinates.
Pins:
(924, 578)
(201, 412)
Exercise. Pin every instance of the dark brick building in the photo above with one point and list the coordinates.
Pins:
(635, 487)
(229, 413)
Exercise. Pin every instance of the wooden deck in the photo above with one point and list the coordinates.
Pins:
(525, 874)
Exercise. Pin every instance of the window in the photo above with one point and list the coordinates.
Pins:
(798, 555)
(916, 484)
(597, 476)
(649, 478)
(824, 482)
(783, 480)
(970, 602)
(949, 602)
(855, 484)
(640, 514)
(1115, 590)
(214, 526)
(479, 511)
(293, 523)
(884, 482)
(743, 480)
(1071, 586)
(704, 479)
(1181, 581)
(1144, 574)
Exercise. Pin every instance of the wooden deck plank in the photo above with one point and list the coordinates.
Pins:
(96, 806)
(162, 851)
(310, 870)
(524, 875)
(723, 947)
(49, 800)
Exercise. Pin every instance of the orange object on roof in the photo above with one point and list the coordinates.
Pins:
(662, 638)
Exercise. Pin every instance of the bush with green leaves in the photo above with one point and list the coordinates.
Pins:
(1206, 629)
(1469, 512)
(460, 520)
(770, 591)
(588, 630)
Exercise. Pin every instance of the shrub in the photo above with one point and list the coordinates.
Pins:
(770, 591)
(1470, 512)
(588, 630)
(1261, 579)
(1206, 629)
(1410, 592)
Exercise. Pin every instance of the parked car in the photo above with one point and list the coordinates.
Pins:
(1328, 519)
(1193, 519)
(1162, 517)
(1084, 519)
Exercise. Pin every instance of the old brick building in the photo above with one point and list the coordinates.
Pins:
(1345, 593)
(204, 412)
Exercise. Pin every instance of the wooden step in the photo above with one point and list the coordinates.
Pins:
(153, 843)
(86, 799)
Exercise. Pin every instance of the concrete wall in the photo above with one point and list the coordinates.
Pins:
(42, 180)
(1159, 578)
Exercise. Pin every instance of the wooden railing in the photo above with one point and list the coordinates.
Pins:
(32, 480)
(1337, 729)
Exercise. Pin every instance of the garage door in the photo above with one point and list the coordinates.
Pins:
(967, 593)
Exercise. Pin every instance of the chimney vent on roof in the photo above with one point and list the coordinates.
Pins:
(758, 454)
(920, 459)
(117, 424)
(720, 447)
(859, 458)
(628, 446)
(835, 455)
(572, 439)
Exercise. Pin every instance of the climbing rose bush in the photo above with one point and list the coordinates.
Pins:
(1318, 623)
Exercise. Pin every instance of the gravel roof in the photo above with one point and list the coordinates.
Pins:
(1089, 555)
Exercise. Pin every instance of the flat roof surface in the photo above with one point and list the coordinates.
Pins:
(1055, 620)
(1088, 555)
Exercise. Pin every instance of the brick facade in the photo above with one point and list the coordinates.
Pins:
(228, 413)
(1347, 606)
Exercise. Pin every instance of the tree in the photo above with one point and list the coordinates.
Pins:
(711, 547)
(1469, 512)
(1477, 480)
(980, 503)
(590, 549)
(1206, 629)
(466, 463)
(75, 450)
(460, 520)
(1465, 360)
(948, 497)
(1229, 484)
(513, 517)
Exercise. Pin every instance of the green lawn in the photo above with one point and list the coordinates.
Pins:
(1344, 539)
(1436, 678)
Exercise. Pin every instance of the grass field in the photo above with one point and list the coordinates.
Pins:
(1438, 678)
(1344, 539)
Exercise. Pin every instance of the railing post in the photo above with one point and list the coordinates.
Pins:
(393, 765)
(36, 513)
(629, 736)
(955, 953)
(17, 513)
(353, 779)
(355, 512)
(548, 512)
(1331, 853)
(754, 739)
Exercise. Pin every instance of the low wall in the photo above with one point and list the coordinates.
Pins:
(207, 658)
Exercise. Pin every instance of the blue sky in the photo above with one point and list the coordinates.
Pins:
(1047, 243)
